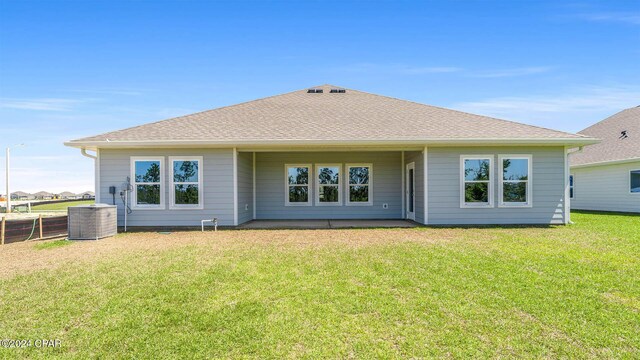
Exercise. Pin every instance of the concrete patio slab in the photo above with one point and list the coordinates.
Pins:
(343, 224)
(285, 224)
(325, 224)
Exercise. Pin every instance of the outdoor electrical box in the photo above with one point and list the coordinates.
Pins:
(92, 222)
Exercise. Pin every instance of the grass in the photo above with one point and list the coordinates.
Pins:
(61, 205)
(52, 244)
(551, 292)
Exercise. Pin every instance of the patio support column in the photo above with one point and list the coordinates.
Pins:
(425, 168)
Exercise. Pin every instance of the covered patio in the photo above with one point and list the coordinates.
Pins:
(360, 187)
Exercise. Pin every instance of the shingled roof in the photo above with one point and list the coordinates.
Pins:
(328, 117)
(615, 145)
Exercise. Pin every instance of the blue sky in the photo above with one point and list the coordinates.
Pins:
(75, 68)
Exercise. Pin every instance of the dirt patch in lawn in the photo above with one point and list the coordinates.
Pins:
(26, 257)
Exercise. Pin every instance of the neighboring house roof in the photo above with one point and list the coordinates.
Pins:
(615, 146)
(87, 193)
(20, 193)
(43, 193)
(67, 193)
(303, 118)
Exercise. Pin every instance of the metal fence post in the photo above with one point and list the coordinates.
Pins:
(40, 224)
(4, 220)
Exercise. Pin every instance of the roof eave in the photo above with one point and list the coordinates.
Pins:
(93, 145)
(607, 162)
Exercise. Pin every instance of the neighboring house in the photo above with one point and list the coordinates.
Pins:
(606, 176)
(43, 195)
(67, 195)
(21, 195)
(334, 153)
(87, 195)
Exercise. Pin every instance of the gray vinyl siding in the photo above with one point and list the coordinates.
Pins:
(217, 186)
(604, 188)
(418, 158)
(270, 185)
(444, 187)
(245, 187)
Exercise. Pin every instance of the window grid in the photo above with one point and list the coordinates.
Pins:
(571, 184)
(289, 186)
(320, 187)
(135, 183)
(463, 182)
(174, 183)
(367, 185)
(634, 183)
(528, 195)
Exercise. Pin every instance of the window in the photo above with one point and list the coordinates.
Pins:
(571, 186)
(147, 177)
(515, 184)
(328, 184)
(297, 187)
(634, 181)
(360, 184)
(186, 182)
(476, 185)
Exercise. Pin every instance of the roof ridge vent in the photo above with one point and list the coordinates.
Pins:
(314, 91)
(337, 91)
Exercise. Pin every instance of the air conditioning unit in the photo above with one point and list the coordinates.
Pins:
(92, 222)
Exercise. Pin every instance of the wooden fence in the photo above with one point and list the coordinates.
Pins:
(32, 229)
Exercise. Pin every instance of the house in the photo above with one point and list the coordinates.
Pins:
(606, 176)
(21, 195)
(67, 195)
(334, 153)
(43, 195)
(87, 195)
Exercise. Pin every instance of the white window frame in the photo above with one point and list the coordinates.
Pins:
(629, 184)
(172, 191)
(348, 185)
(286, 185)
(463, 203)
(134, 195)
(318, 185)
(501, 181)
(572, 186)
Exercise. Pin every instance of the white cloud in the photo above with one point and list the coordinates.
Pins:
(512, 72)
(620, 17)
(403, 69)
(40, 104)
(569, 110)
(111, 91)
(400, 69)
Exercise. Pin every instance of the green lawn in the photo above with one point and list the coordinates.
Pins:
(558, 292)
(61, 205)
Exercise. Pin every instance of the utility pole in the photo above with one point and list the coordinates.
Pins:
(8, 202)
(8, 193)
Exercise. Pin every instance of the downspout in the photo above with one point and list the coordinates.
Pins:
(96, 162)
(83, 151)
(577, 151)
